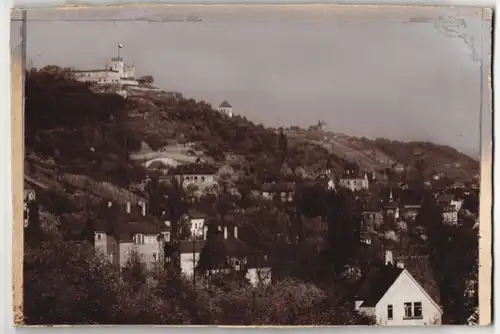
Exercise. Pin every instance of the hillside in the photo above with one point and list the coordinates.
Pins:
(83, 147)
(79, 142)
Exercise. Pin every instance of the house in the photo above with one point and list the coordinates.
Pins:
(410, 211)
(399, 168)
(200, 174)
(457, 204)
(355, 182)
(226, 109)
(197, 224)
(450, 215)
(190, 254)
(29, 195)
(394, 297)
(29, 204)
(128, 228)
(458, 185)
(391, 208)
(225, 253)
(284, 191)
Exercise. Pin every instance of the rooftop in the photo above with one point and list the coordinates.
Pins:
(376, 284)
(275, 187)
(225, 104)
(195, 169)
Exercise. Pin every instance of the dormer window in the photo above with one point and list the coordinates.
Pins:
(138, 239)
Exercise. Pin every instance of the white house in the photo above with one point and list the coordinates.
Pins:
(355, 182)
(197, 225)
(190, 254)
(450, 215)
(395, 298)
(226, 108)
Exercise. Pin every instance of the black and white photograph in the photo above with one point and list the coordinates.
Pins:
(244, 165)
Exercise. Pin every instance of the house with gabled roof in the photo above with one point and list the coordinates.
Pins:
(225, 253)
(354, 180)
(394, 297)
(126, 228)
(200, 174)
(284, 191)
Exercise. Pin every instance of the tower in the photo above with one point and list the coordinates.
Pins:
(118, 66)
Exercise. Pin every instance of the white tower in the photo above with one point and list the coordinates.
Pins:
(226, 108)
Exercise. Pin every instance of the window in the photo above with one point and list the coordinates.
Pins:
(155, 257)
(138, 239)
(417, 310)
(389, 312)
(98, 236)
(408, 311)
(413, 310)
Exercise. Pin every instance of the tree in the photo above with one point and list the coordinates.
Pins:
(73, 284)
(147, 79)
(176, 207)
(453, 255)
(344, 224)
(134, 271)
(282, 147)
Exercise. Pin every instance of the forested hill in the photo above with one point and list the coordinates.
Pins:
(71, 130)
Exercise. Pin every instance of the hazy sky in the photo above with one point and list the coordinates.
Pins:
(374, 72)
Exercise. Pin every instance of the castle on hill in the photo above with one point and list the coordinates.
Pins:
(118, 73)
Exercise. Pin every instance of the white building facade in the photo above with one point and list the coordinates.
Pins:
(404, 303)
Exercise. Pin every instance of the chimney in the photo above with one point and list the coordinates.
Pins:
(205, 231)
(236, 232)
(225, 232)
(128, 207)
(388, 257)
(400, 264)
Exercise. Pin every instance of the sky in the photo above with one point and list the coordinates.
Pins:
(402, 73)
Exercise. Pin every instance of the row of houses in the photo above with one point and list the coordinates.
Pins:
(390, 292)
(151, 238)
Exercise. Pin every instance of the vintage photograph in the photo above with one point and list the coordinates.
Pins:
(252, 165)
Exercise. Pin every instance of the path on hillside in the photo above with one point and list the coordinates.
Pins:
(29, 179)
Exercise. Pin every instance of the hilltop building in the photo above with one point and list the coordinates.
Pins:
(117, 73)
(226, 109)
